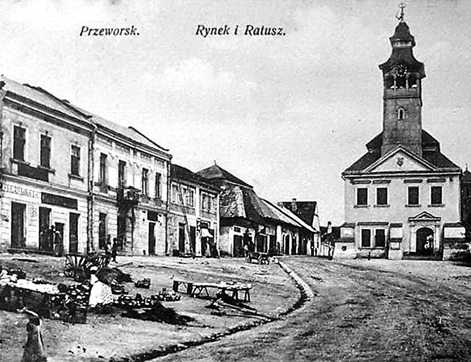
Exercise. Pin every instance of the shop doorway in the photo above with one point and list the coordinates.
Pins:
(193, 239)
(181, 238)
(151, 238)
(18, 225)
(272, 246)
(121, 232)
(45, 236)
(73, 232)
(287, 245)
(294, 246)
(238, 248)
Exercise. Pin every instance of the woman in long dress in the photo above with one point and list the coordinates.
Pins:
(34, 348)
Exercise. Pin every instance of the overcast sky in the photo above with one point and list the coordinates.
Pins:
(287, 114)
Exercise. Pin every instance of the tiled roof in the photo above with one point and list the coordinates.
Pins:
(181, 173)
(217, 173)
(242, 202)
(430, 152)
(305, 210)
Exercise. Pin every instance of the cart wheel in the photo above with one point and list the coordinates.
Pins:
(69, 267)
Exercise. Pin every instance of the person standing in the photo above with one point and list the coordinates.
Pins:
(114, 249)
(108, 245)
(34, 350)
(57, 238)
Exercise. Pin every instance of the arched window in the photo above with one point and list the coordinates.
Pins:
(401, 113)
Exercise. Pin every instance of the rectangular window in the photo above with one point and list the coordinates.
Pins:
(175, 198)
(121, 173)
(362, 196)
(190, 197)
(366, 238)
(413, 195)
(145, 181)
(158, 180)
(207, 202)
(380, 238)
(381, 196)
(19, 140)
(75, 160)
(45, 151)
(436, 195)
(103, 179)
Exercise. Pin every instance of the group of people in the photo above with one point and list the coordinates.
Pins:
(51, 240)
(111, 248)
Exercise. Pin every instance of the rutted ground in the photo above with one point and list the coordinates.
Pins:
(375, 310)
(112, 336)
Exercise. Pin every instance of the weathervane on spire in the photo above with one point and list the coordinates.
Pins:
(401, 15)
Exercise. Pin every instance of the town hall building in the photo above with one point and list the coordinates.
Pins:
(402, 197)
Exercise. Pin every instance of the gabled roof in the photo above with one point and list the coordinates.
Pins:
(466, 176)
(399, 149)
(305, 210)
(430, 153)
(293, 216)
(181, 173)
(274, 213)
(242, 202)
(217, 173)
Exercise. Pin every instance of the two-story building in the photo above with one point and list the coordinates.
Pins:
(403, 196)
(45, 146)
(193, 227)
(87, 177)
(129, 198)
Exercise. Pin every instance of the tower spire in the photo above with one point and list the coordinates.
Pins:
(400, 17)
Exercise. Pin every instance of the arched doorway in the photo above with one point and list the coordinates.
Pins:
(286, 245)
(425, 241)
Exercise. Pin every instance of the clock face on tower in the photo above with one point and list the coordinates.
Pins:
(399, 70)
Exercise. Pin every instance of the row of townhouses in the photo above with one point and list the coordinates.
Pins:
(68, 172)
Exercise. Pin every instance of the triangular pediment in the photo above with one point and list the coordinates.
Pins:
(424, 216)
(400, 160)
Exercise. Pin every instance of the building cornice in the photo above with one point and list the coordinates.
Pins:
(25, 105)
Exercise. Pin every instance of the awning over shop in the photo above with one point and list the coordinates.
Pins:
(205, 233)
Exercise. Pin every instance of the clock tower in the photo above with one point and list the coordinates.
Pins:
(402, 94)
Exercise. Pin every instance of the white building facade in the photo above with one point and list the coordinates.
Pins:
(402, 198)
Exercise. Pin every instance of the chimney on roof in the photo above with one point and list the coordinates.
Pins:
(294, 206)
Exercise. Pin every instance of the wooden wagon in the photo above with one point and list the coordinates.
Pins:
(78, 265)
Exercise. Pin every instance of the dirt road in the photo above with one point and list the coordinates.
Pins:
(376, 310)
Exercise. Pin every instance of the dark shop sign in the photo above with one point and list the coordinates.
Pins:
(57, 200)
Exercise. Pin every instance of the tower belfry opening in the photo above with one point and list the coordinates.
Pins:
(402, 90)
